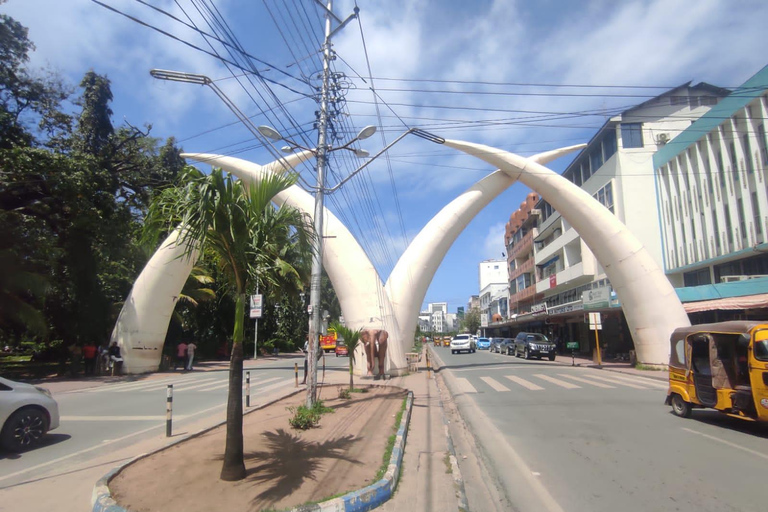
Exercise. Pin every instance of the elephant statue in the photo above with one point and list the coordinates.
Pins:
(375, 346)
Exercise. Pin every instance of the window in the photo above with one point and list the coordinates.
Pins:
(742, 221)
(728, 227)
(747, 154)
(758, 224)
(632, 135)
(763, 143)
(605, 196)
(721, 169)
(585, 171)
(596, 159)
(609, 145)
(734, 161)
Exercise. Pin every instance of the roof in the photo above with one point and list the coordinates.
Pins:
(718, 114)
(705, 292)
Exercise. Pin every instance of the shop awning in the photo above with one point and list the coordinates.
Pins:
(730, 303)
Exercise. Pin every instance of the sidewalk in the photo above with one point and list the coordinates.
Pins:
(620, 367)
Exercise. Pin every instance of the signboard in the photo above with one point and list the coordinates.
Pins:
(598, 298)
(553, 280)
(539, 308)
(595, 322)
(572, 345)
(256, 306)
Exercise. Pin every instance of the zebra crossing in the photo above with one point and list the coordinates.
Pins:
(561, 380)
(193, 383)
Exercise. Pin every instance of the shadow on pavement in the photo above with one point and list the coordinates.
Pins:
(718, 419)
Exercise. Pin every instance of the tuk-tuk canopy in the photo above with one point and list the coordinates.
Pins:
(677, 353)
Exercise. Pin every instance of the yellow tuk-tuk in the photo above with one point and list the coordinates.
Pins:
(722, 366)
(446, 341)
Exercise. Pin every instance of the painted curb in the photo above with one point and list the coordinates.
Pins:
(377, 493)
(361, 500)
(101, 498)
(461, 494)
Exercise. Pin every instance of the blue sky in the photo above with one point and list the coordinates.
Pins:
(496, 72)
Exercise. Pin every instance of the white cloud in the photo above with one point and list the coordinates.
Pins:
(493, 244)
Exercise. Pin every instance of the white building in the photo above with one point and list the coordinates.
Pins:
(711, 191)
(451, 322)
(492, 272)
(489, 295)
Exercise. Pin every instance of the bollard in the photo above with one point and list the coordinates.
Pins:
(323, 367)
(296, 373)
(169, 410)
(247, 389)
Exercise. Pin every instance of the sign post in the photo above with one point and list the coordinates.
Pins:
(256, 301)
(595, 324)
(572, 346)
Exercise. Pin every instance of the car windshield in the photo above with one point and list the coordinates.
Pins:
(761, 350)
(537, 338)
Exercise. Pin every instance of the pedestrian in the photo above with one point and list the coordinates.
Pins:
(90, 353)
(115, 358)
(102, 364)
(191, 347)
(306, 360)
(181, 356)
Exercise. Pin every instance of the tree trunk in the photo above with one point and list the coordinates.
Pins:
(351, 374)
(233, 467)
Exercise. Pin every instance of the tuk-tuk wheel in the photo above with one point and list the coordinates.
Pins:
(680, 407)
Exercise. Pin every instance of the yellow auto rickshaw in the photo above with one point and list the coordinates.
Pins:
(723, 366)
(437, 341)
(446, 341)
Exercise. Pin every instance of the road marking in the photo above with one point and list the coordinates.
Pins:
(465, 386)
(143, 386)
(220, 385)
(115, 387)
(558, 382)
(585, 381)
(618, 382)
(641, 381)
(732, 445)
(120, 418)
(177, 386)
(524, 383)
(494, 384)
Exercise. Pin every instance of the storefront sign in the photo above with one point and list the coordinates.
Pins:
(572, 345)
(596, 299)
(553, 281)
(539, 308)
(567, 308)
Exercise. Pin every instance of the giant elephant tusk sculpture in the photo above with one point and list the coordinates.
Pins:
(143, 322)
(649, 301)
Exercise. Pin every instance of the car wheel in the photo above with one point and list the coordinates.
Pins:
(24, 429)
(527, 354)
(552, 357)
(680, 407)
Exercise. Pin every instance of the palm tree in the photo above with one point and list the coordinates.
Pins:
(351, 339)
(249, 239)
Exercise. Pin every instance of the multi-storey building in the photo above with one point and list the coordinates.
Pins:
(616, 167)
(491, 272)
(711, 193)
(520, 231)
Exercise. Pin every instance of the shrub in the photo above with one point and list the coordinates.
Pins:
(305, 417)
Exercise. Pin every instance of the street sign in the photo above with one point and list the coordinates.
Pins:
(256, 306)
(595, 322)
(572, 345)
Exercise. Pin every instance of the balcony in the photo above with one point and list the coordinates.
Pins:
(525, 268)
(523, 295)
(574, 275)
(523, 246)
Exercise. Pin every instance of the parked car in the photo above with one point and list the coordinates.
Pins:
(463, 343)
(483, 343)
(495, 344)
(27, 413)
(341, 348)
(533, 344)
(507, 346)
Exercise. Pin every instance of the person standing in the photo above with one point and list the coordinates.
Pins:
(115, 358)
(90, 353)
(181, 356)
(306, 359)
(191, 347)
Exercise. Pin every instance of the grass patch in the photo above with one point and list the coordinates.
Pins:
(447, 462)
(344, 393)
(641, 366)
(390, 443)
(305, 417)
(358, 390)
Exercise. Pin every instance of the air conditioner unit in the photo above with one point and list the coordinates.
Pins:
(731, 279)
(662, 139)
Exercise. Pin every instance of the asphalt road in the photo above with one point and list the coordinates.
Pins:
(562, 438)
(109, 416)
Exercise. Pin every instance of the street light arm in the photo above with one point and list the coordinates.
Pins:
(416, 131)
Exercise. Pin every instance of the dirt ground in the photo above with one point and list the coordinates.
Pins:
(285, 467)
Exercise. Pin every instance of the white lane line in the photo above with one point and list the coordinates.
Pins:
(558, 382)
(465, 386)
(618, 382)
(121, 418)
(641, 381)
(176, 385)
(220, 385)
(128, 388)
(498, 386)
(732, 445)
(585, 381)
(197, 384)
(107, 387)
(524, 383)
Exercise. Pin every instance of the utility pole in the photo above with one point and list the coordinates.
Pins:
(317, 257)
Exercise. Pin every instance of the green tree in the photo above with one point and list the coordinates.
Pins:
(351, 339)
(250, 240)
(471, 320)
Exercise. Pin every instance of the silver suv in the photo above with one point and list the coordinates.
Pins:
(463, 342)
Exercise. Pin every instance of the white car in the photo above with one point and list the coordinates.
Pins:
(463, 342)
(27, 412)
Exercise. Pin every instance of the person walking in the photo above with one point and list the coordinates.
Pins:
(90, 353)
(115, 358)
(181, 356)
(191, 347)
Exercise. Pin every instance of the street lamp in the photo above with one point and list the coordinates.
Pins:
(272, 134)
